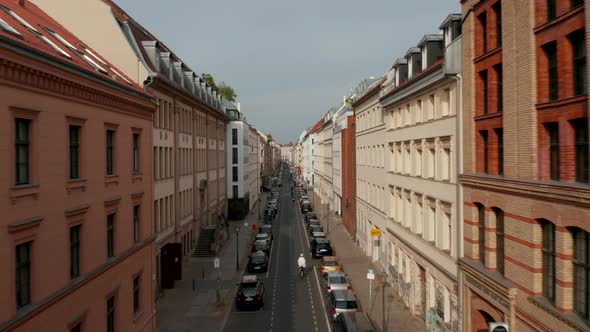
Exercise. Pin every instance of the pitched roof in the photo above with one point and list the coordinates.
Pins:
(30, 28)
(317, 126)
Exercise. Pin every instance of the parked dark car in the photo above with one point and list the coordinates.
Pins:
(320, 247)
(260, 245)
(313, 223)
(258, 262)
(310, 216)
(250, 293)
(353, 321)
(314, 228)
(306, 207)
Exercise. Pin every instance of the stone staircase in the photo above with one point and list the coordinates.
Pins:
(206, 238)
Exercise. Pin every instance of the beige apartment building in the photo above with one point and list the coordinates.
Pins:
(189, 128)
(254, 166)
(420, 106)
(322, 165)
(370, 168)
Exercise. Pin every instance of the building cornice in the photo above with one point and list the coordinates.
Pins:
(428, 77)
(560, 192)
(27, 77)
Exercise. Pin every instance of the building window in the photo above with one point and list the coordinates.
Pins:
(500, 138)
(136, 295)
(551, 10)
(110, 147)
(136, 223)
(485, 90)
(77, 328)
(578, 42)
(74, 251)
(497, 8)
(552, 70)
(549, 260)
(481, 224)
(111, 235)
(576, 3)
(234, 155)
(484, 138)
(23, 274)
(22, 149)
(136, 153)
(499, 87)
(235, 173)
(581, 134)
(483, 22)
(499, 240)
(234, 136)
(111, 314)
(582, 273)
(235, 191)
(74, 152)
(553, 133)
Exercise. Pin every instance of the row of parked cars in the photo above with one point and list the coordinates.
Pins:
(250, 293)
(341, 302)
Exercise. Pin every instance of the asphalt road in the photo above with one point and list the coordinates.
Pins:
(290, 302)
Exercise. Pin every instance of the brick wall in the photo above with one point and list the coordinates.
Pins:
(349, 176)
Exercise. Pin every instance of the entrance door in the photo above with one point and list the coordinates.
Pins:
(171, 264)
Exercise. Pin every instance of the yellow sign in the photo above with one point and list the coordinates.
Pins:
(375, 232)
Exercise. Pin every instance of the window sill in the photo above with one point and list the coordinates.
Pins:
(558, 19)
(561, 102)
(111, 179)
(24, 190)
(569, 317)
(137, 177)
(487, 54)
(76, 184)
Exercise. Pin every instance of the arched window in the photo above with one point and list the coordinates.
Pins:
(499, 240)
(548, 246)
(481, 221)
(581, 272)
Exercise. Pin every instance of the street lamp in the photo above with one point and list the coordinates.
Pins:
(237, 249)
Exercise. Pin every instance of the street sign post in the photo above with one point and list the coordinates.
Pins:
(375, 232)
(216, 262)
(371, 277)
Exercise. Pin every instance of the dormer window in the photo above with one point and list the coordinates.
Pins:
(424, 52)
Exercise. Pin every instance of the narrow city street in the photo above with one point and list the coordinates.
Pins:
(291, 303)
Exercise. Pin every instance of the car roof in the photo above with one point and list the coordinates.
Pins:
(249, 278)
(259, 253)
(319, 234)
(335, 274)
(360, 319)
(260, 242)
(343, 295)
(330, 258)
(321, 240)
(262, 234)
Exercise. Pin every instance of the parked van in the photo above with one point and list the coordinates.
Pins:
(353, 322)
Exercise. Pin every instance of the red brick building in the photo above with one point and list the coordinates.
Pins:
(76, 185)
(349, 176)
(525, 181)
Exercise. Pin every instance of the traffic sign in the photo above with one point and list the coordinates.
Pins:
(216, 263)
(253, 227)
(376, 232)
(370, 274)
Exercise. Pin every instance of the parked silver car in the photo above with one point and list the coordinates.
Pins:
(334, 280)
(341, 300)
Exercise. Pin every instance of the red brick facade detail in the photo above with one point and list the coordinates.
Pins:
(349, 177)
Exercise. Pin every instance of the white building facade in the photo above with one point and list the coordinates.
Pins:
(422, 195)
(238, 162)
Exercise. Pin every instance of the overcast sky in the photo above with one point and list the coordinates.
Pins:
(290, 61)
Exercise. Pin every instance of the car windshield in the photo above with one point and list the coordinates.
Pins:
(261, 236)
(260, 246)
(330, 263)
(337, 280)
(257, 259)
(249, 289)
(346, 305)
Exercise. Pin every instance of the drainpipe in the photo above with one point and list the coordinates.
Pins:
(459, 195)
(151, 80)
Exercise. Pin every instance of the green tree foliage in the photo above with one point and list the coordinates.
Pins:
(209, 79)
(227, 92)
(269, 136)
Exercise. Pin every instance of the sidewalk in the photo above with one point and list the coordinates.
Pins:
(356, 265)
(185, 308)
